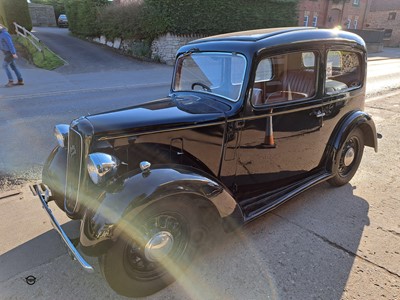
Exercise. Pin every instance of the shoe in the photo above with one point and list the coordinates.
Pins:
(20, 82)
(10, 84)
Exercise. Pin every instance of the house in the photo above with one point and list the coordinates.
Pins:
(385, 14)
(349, 14)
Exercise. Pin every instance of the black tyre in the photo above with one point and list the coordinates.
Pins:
(349, 157)
(156, 246)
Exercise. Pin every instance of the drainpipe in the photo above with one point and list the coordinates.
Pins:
(341, 13)
(367, 9)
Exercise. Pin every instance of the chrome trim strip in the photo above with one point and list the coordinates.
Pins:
(57, 227)
(261, 108)
(111, 137)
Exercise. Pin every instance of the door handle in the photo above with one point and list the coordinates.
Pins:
(319, 113)
(239, 124)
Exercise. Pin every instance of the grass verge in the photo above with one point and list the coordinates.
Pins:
(46, 59)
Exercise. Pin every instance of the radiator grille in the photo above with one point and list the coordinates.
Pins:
(74, 171)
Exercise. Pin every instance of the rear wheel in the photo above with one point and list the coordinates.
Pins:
(155, 247)
(349, 157)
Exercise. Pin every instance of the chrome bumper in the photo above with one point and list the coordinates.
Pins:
(44, 192)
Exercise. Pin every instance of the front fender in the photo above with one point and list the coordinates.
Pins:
(53, 174)
(135, 191)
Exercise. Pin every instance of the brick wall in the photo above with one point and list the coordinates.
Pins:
(330, 14)
(311, 9)
(353, 14)
(381, 20)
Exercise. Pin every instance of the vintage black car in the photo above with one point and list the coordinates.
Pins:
(252, 119)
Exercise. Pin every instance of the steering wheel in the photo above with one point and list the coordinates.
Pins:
(205, 87)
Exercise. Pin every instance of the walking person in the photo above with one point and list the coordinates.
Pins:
(10, 54)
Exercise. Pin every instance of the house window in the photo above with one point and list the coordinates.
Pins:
(388, 33)
(356, 2)
(315, 21)
(392, 16)
(306, 21)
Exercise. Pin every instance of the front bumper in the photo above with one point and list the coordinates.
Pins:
(44, 193)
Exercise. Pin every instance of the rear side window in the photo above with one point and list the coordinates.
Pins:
(343, 71)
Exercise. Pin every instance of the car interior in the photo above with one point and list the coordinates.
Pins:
(292, 76)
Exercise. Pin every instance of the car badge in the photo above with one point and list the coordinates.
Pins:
(72, 150)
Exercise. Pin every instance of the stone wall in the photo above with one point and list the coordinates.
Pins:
(162, 49)
(42, 15)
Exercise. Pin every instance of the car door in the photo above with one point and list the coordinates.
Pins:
(281, 140)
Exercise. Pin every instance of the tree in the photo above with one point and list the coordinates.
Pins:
(15, 11)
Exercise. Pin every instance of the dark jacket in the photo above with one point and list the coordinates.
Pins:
(6, 43)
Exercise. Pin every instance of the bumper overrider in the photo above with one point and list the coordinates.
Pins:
(44, 193)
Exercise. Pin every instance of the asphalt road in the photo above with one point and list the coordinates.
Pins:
(329, 243)
(84, 56)
(96, 79)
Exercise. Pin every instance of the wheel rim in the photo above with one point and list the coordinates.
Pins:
(164, 239)
(349, 156)
(159, 246)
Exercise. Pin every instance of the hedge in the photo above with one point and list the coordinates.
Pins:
(15, 11)
(148, 19)
(82, 16)
(213, 17)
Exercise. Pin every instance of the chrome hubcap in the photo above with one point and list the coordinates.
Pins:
(349, 156)
(159, 246)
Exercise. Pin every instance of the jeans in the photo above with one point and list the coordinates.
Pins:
(11, 63)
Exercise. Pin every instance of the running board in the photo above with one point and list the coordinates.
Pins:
(287, 194)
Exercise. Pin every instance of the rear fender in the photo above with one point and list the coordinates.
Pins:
(351, 121)
(135, 191)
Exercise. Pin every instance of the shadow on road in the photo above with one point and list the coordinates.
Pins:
(305, 249)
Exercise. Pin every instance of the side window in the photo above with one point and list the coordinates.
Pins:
(264, 70)
(343, 71)
(285, 77)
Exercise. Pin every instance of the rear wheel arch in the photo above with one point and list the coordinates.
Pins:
(353, 120)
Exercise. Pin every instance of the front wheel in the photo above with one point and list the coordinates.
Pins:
(349, 157)
(155, 248)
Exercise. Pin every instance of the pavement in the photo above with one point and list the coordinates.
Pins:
(42, 82)
(387, 53)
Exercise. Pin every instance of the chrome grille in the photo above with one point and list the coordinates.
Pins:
(74, 171)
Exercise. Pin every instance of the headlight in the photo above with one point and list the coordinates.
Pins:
(61, 133)
(101, 167)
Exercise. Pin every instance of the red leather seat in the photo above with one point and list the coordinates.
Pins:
(295, 85)
(300, 82)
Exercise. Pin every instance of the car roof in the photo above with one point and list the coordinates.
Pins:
(252, 41)
(251, 35)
